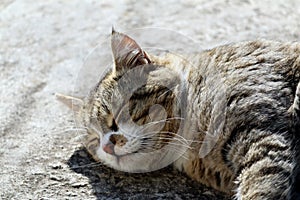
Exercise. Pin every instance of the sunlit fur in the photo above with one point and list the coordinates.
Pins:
(242, 96)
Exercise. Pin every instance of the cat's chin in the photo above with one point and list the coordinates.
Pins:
(137, 162)
(128, 163)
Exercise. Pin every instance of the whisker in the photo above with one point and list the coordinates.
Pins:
(172, 144)
(179, 151)
(156, 132)
(170, 138)
(187, 140)
(150, 149)
(175, 134)
(76, 126)
(181, 139)
(161, 137)
(151, 133)
(178, 140)
(161, 121)
(70, 129)
(73, 127)
(171, 89)
(177, 144)
(66, 128)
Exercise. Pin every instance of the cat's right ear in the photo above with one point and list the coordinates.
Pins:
(74, 103)
(127, 53)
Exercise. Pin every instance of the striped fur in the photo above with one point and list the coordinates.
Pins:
(242, 109)
(256, 143)
(296, 109)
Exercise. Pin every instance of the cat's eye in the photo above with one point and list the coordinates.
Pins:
(114, 126)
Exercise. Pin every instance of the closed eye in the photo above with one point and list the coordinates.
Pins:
(114, 127)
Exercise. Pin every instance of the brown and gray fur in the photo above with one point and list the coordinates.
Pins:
(255, 150)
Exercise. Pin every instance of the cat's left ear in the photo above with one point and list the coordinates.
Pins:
(74, 103)
(127, 53)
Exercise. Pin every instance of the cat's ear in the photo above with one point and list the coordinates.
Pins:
(73, 103)
(127, 53)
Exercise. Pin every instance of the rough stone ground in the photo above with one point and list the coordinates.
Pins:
(42, 48)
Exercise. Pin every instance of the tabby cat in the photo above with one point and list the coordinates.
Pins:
(228, 117)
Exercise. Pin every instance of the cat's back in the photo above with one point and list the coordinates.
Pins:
(239, 88)
(247, 77)
(256, 56)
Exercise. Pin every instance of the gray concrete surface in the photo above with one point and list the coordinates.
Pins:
(43, 45)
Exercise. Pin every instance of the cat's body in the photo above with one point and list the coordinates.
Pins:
(241, 117)
(260, 82)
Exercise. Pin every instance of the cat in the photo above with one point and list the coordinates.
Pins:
(227, 117)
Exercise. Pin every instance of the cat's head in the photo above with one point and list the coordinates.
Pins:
(134, 112)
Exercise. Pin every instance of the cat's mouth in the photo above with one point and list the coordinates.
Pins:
(109, 149)
(120, 158)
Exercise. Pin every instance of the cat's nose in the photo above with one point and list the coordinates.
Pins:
(109, 146)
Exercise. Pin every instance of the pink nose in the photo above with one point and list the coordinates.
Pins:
(109, 148)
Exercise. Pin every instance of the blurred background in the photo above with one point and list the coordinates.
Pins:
(43, 47)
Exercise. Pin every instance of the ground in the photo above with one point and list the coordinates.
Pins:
(44, 45)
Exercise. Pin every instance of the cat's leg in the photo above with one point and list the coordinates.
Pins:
(263, 163)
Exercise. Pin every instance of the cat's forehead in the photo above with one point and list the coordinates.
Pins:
(139, 87)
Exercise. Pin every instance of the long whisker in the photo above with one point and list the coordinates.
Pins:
(171, 89)
(172, 144)
(161, 121)
(75, 126)
(149, 145)
(176, 143)
(167, 119)
(147, 134)
(147, 150)
(173, 148)
(181, 141)
(179, 137)
(72, 128)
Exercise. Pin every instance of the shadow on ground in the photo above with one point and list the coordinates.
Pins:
(163, 184)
